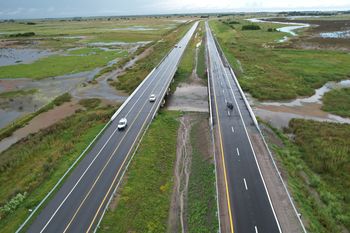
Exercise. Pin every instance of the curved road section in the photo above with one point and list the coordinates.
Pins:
(248, 204)
(79, 203)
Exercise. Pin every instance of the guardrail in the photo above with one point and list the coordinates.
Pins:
(251, 113)
(143, 133)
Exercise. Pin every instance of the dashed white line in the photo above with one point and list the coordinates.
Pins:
(228, 112)
(245, 184)
(237, 151)
(232, 129)
(256, 229)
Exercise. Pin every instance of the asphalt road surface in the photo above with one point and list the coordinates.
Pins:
(79, 203)
(249, 206)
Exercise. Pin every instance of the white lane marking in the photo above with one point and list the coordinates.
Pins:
(256, 229)
(97, 155)
(245, 128)
(233, 130)
(223, 91)
(245, 184)
(228, 112)
(237, 151)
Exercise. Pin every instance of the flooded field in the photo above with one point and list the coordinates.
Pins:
(280, 113)
(13, 56)
(337, 34)
(287, 29)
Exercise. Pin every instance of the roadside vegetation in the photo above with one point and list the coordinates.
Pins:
(271, 71)
(19, 123)
(337, 101)
(32, 166)
(316, 161)
(202, 206)
(76, 61)
(133, 77)
(144, 200)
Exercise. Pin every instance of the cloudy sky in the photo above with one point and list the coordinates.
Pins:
(68, 8)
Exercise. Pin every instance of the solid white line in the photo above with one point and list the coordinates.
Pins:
(97, 155)
(256, 229)
(237, 151)
(232, 129)
(251, 146)
(245, 184)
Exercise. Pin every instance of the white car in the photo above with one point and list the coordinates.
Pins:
(152, 98)
(122, 123)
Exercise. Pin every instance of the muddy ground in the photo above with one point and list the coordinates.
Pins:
(312, 39)
(279, 113)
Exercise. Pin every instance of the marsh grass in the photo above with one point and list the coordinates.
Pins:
(273, 72)
(337, 101)
(317, 166)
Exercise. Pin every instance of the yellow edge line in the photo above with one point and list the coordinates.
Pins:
(100, 173)
(223, 162)
(127, 155)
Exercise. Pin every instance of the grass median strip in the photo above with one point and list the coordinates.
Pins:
(202, 204)
(142, 204)
(31, 167)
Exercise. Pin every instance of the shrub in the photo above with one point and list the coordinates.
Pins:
(251, 27)
(25, 34)
(12, 204)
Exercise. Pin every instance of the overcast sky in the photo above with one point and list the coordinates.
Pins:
(68, 8)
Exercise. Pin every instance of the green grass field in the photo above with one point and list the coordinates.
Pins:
(144, 201)
(273, 72)
(77, 61)
(102, 30)
(32, 166)
(317, 164)
(337, 101)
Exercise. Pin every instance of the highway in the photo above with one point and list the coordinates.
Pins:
(79, 203)
(249, 206)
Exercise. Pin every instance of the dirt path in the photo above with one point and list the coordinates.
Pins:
(177, 221)
(39, 122)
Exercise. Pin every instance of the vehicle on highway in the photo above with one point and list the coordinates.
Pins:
(229, 105)
(122, 123)
(152, 98)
